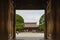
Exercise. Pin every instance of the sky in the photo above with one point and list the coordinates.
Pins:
(31, 15)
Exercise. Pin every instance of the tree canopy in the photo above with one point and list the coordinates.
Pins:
(19, 22)
(42, 22)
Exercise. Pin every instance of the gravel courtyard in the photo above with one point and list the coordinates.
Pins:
(30, 36)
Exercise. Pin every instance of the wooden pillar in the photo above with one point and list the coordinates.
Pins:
(14, 27)
(57, 22)
(11, 18)
(55, 18)
(45, 32)
(50, 19)
(3, 19)
(6, 17)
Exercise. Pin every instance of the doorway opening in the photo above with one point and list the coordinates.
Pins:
(30, 24)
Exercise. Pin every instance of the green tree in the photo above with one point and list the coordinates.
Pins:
(19, 22)
(42, 22)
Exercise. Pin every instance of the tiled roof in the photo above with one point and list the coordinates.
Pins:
(30, 24)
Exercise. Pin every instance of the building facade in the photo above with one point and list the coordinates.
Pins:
(30, 26)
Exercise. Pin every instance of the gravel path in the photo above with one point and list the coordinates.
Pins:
(30, 36)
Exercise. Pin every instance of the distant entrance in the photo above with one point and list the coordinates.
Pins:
(30, 23)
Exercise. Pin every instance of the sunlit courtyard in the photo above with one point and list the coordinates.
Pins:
(30, 24)
(29, 36)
